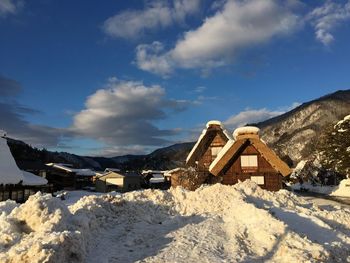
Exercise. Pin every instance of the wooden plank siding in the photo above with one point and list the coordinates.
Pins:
(207, 158)
(233, 172)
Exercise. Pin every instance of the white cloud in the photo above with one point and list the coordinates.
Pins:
(149, 58)
(123, 114)
(254, 116)
(157, 14)
(238, 25)
(250, 116)
(9, 7)
(326, 17)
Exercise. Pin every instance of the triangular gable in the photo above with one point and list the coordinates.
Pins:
(203, 143)
(271, 157)
(226, 154)
(231, 150)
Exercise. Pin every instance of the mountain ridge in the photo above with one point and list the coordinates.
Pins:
(292, 135)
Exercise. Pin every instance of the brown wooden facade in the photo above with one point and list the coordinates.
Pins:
(234, 171)
(267, 171)
(207, 148)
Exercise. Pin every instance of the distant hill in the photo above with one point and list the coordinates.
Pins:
(294, 135)
(164, 158)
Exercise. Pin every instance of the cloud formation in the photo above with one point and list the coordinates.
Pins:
(237, 25)
(123, 114)
(250, 116)
(156, 14)
(9, 7)
(254, 116)
(9, 87)
(12, 118)
(326, 17)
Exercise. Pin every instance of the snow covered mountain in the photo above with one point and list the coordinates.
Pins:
(296, 134)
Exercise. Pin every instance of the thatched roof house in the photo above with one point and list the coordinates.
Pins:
(208, 145)
(248, 157)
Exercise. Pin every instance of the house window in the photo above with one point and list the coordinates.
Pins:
(249, 163)
(260, 180)
(215, 151)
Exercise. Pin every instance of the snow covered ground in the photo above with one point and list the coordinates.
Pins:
(216, 223)
(342, 190)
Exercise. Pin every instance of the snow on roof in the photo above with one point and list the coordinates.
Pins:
(112, 170)
(156, 180)
(9, 172)
(213, 122)
(81, 172)
(221, 153)
(152, 172)
(169, 172)
(32, 179)
(246, 130)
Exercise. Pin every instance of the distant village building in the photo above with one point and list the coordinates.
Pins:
(117, 181)
(64, 176)
(248, 157)
(156, 179)
(16, 184)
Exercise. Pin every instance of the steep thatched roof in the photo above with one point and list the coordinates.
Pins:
(213, 129)
(233, 149)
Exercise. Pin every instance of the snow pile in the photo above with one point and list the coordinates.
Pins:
(215, 223)
(342, 190)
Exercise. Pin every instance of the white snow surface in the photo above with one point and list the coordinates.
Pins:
(214, 122)
(217, 223)
(32, 179)
(9, 172)
(66, 167)
(245, 130)
(342, 190)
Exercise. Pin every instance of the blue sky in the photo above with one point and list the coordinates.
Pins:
(123, 77)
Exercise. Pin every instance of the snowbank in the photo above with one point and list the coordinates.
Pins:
(342, 190)
(216, 223)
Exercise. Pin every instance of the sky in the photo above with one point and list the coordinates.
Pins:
(108, 78)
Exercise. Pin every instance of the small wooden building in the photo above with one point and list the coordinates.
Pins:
(117, 181)
(208, 145)
(248, 157)
(64, 176)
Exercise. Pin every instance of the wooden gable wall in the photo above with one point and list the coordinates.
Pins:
(207, 158)
(233, 172)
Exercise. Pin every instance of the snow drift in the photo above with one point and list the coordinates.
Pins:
(215, 223)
